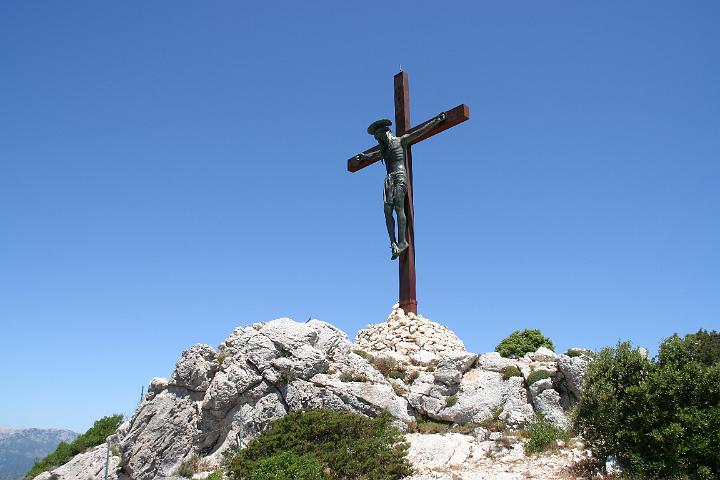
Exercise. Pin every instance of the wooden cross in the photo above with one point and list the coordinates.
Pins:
(408, 298)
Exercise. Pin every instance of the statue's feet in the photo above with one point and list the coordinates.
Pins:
(398, 249)
(395, 251)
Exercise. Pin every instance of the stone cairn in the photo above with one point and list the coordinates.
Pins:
(411, 336)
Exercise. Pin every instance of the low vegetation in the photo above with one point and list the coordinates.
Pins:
(216, 475)
(661, 417)
(385, 365)
(324, 444)
(521, 342)
(350, 376)
(64, 452)
(543, 436)
(494, 423)
(537, 375)
(193, 465)
(511, 371)
(363, 354)
(288, 466)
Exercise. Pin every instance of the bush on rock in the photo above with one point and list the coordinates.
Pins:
(521, 342)
(288, 466)
(543, 435)
(343, 445)
(659, 417)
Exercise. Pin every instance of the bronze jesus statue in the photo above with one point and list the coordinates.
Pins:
(392, 150)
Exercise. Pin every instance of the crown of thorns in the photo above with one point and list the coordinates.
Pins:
(384, 123)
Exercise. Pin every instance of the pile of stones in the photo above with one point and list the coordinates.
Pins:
(406, 335)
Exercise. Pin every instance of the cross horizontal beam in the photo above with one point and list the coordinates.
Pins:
(453, 117)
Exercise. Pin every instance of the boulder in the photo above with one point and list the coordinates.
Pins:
(493, 361)
(543, 354)
(89, 465)
(573, 370)
(195, 368)
(428, 452)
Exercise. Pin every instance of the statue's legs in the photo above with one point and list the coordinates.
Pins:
(390, 224)
(399, 204)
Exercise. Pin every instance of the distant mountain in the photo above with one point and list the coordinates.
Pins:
(19, 448)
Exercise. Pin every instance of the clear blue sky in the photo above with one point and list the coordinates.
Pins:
(170, 170)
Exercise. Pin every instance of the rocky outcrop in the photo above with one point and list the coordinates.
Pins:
(218, 399)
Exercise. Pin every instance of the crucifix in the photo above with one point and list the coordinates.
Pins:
(398, 189)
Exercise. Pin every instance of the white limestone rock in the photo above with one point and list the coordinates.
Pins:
(89, 465)
(161, 434)
(423, 358)
(367, 398)
(547, 402)
(543, 354)
(195, 368)
(573, 370)
(433, 451)
(493, 361)
(157, 385)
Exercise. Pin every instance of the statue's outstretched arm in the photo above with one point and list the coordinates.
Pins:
(409, 137)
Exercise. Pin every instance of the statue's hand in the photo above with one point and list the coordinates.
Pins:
(359, 156)
(441, 117)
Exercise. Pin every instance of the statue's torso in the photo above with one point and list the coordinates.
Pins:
(394, 155)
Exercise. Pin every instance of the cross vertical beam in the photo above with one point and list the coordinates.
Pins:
(408, 295)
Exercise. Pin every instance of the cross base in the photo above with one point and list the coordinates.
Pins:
(409, 306)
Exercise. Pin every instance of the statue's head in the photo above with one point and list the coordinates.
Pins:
(380, 130)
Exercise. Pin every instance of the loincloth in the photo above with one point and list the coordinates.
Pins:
(395, 187)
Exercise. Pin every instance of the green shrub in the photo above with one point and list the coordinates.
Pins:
(363, 354)
(384, 365)
(288, 466)
(345, 445)
(431, 426)
(537, 375)
(451, 400)
(397, 374)
(521, 342)
(543, 435)
(64, 452)
(216, 475)
(660, 417)
(573, 352)
(511, 371)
